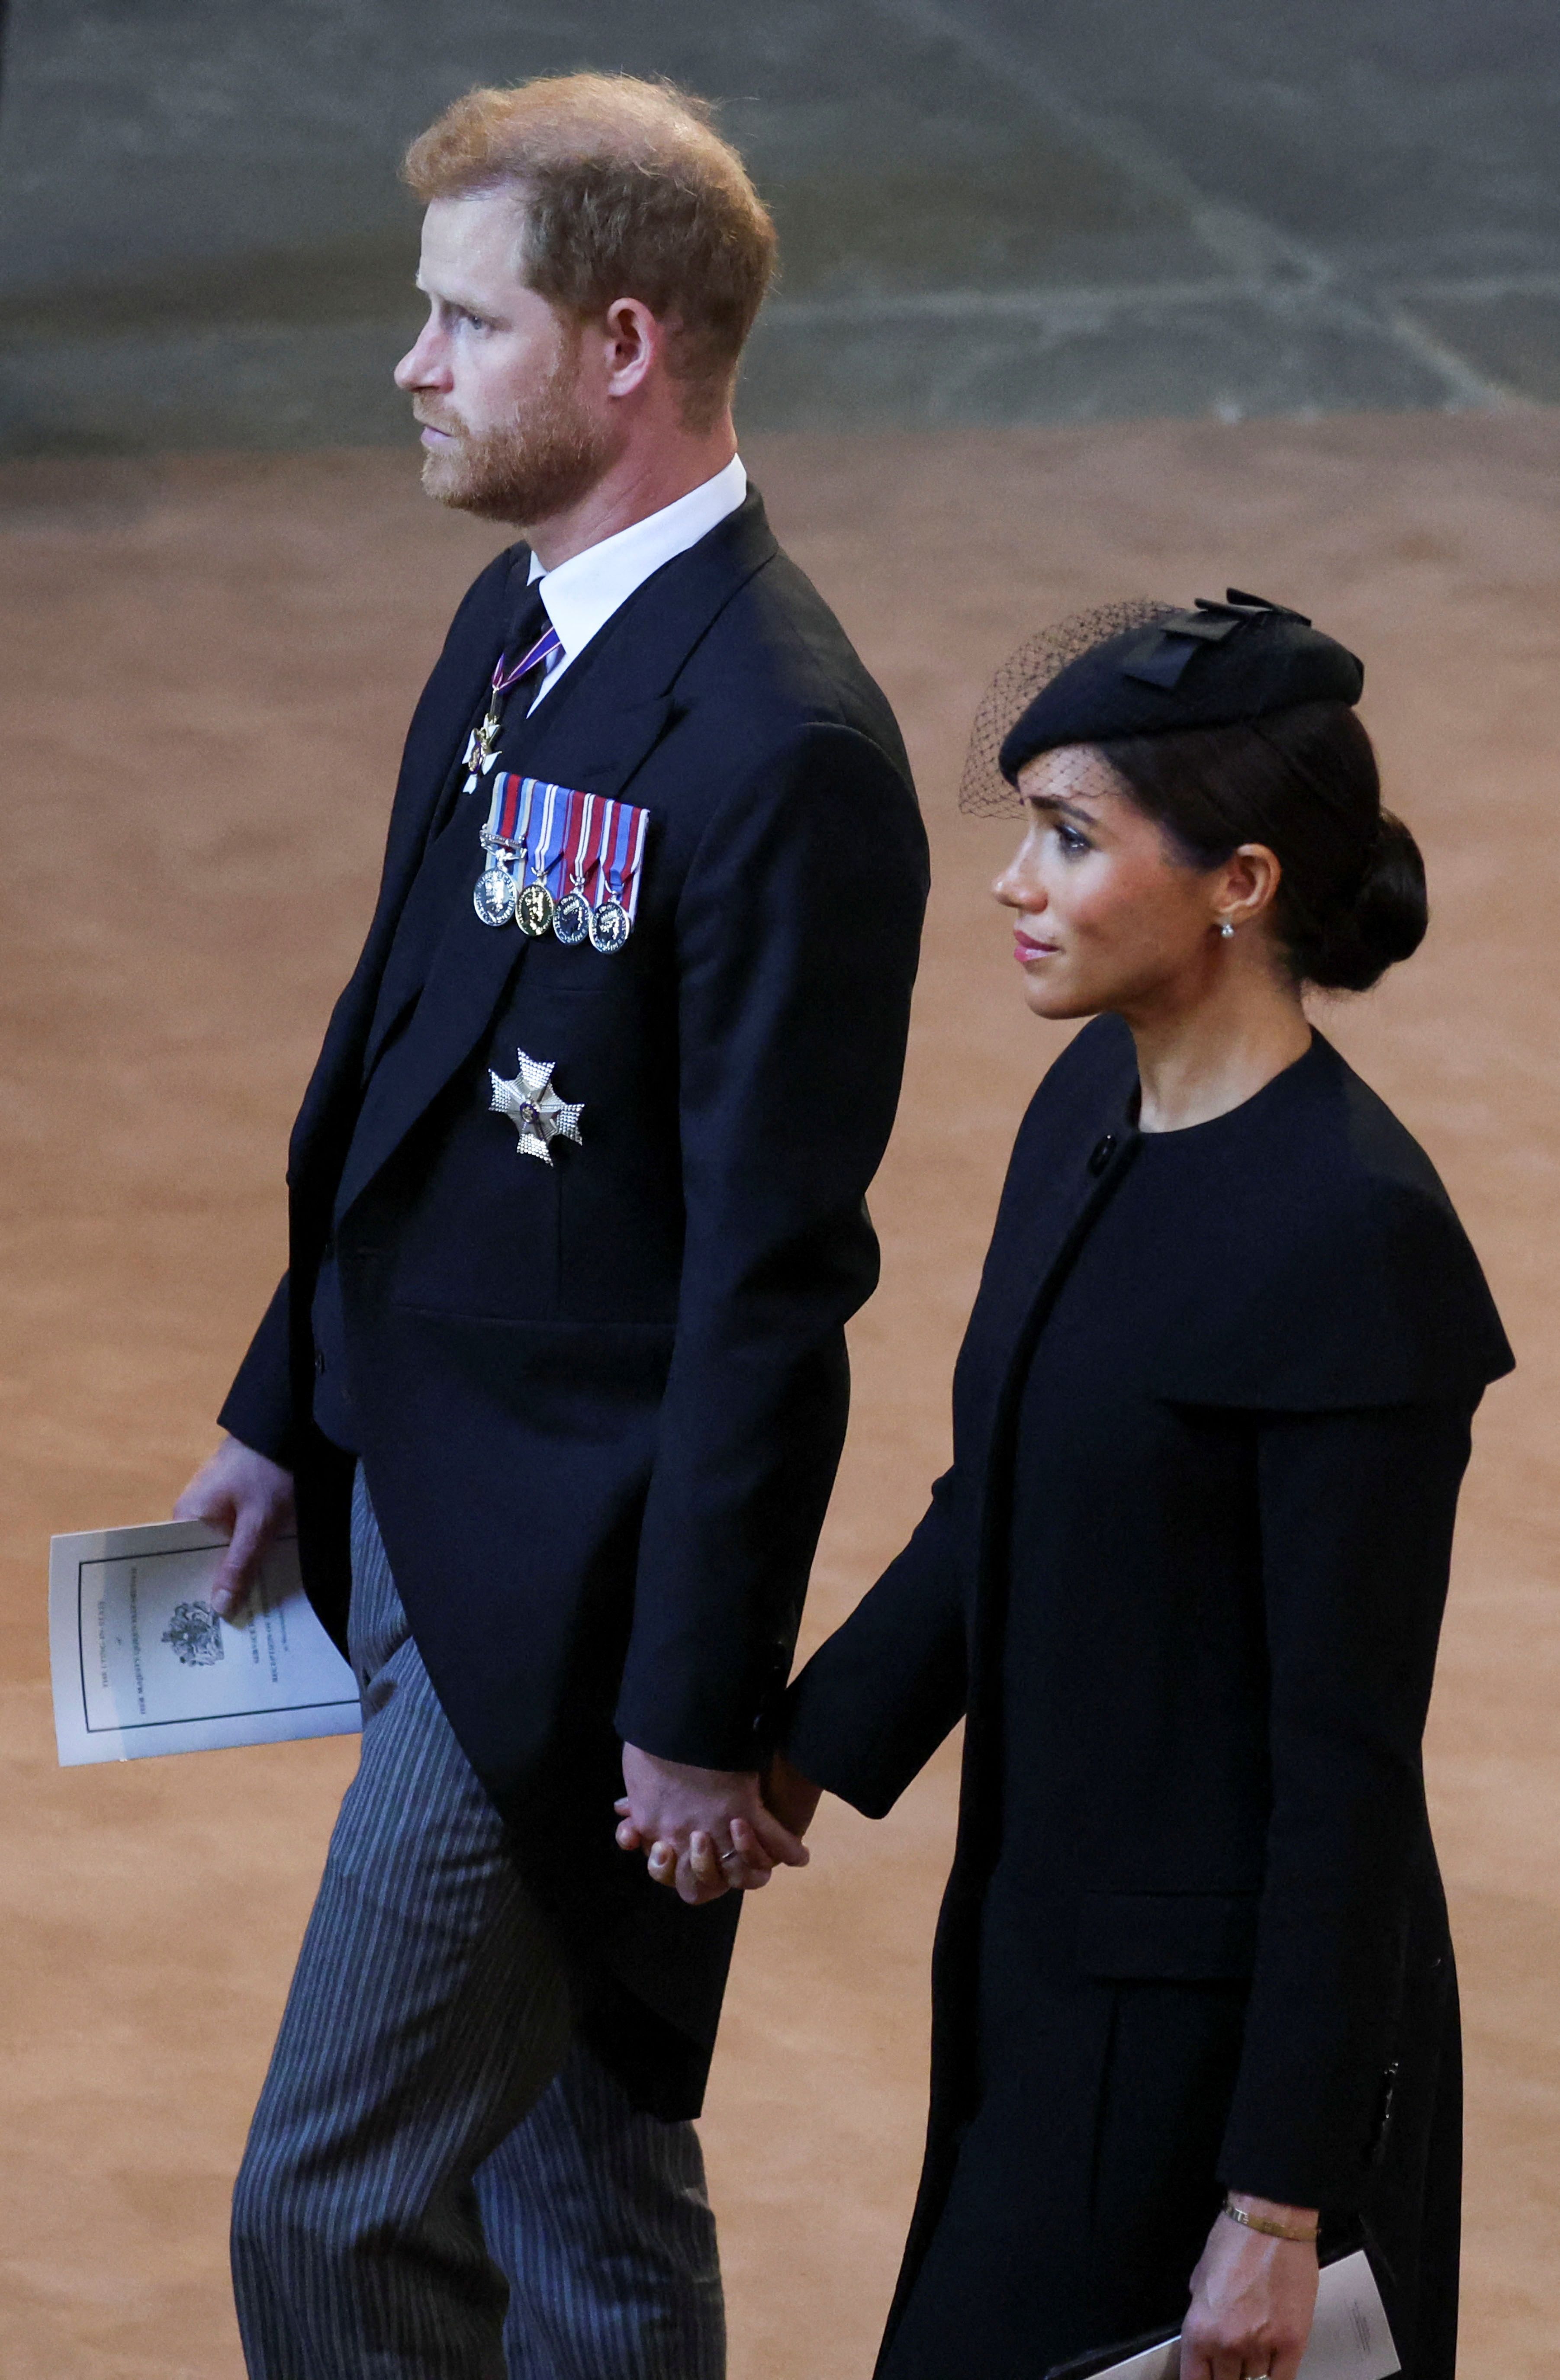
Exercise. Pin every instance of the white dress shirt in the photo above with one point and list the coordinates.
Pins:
(583, 593)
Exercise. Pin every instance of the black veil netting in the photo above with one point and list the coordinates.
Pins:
(983, 790)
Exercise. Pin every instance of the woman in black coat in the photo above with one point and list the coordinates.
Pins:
(1193, 1985)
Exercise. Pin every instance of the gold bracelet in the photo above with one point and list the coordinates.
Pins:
(1270, 2230)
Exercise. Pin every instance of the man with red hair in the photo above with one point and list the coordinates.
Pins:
(556, 1378)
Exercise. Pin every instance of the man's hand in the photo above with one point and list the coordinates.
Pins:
(706, 1829)
(249, 1498)
(1253, 2299)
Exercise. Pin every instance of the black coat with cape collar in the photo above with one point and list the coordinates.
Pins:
(1238, 1587)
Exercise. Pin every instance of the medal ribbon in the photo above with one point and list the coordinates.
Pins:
(543, 858)
(621, 860)
(548, 643)
(481, 744)
(591, 836)
(568, 836)
(509, 813)
(603, 844)
(582, 807)
(630, 893)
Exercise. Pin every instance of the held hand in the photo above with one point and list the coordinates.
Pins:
(249, 1498)
(792, 1797)
(1253, 2299)
(707, 1829)
(787, 1795)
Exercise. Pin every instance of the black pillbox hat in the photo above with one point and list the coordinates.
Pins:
(1214, 666)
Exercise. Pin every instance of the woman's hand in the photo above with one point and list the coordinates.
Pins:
(792, 1797)
(1253, 2299)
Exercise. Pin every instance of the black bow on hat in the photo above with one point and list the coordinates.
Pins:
(1214, 666)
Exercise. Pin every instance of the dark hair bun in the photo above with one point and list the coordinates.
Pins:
(1385, 921)
(1351, 900)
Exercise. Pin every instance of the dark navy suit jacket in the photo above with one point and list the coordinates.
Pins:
(600, 1403)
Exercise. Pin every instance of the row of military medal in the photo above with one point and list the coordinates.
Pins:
(538, 834)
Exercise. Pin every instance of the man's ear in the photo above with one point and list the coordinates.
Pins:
(634, 342)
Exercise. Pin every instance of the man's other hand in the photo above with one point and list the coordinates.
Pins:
(706, 1830)
(249, 1498)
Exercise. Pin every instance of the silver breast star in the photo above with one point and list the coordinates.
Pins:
(533, 1106)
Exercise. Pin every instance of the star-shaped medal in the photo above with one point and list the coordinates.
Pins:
(533, 1106)
(482, 747)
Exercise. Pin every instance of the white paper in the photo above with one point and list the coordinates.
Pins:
(1349, 2338)
(1155, 2363)
(142, 1665)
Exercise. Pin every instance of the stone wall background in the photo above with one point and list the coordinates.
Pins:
(991, 212)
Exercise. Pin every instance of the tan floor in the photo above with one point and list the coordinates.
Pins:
(208, 671)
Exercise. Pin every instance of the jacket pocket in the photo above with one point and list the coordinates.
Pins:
(1167, 1936)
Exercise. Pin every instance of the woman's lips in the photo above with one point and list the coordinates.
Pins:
(1024, 950)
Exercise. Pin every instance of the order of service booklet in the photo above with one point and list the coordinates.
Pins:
(1349, 2338)
(142, 1664)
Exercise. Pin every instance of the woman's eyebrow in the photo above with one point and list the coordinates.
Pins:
(1066, 810)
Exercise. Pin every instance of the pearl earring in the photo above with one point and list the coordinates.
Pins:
(1226, 930)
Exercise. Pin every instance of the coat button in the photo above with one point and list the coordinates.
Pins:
(319, 1364)
(1102, 1152)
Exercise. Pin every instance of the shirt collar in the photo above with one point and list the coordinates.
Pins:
(583, 593)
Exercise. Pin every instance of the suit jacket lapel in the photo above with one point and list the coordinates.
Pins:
(593, 731)
(434, 742)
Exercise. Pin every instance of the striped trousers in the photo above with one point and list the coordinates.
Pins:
(440, 2183)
